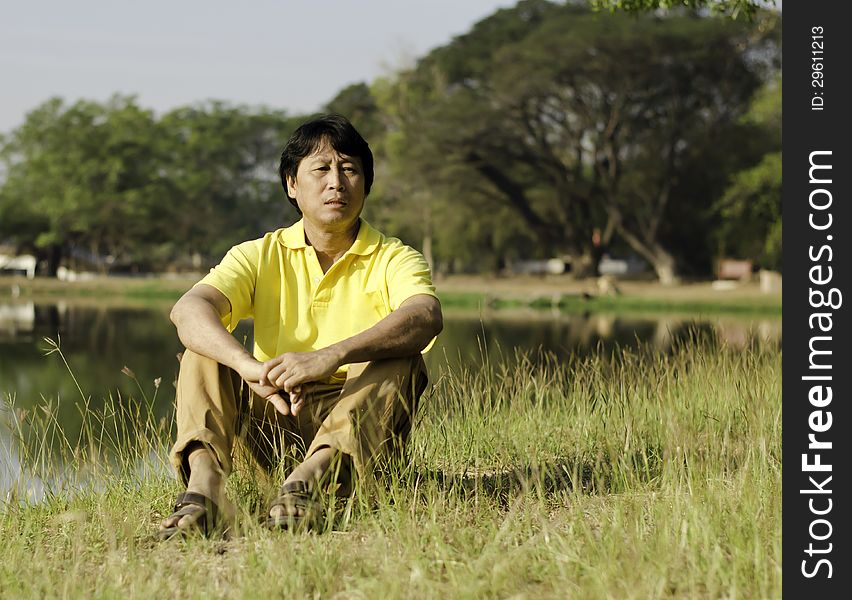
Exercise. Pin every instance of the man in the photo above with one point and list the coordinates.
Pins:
(341, 316)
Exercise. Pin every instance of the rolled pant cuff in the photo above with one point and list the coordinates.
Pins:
(213, 442)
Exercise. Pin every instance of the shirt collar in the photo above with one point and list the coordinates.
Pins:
(365, 243)
(293, 237)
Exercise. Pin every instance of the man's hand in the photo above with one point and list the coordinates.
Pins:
(251, 373)
(405, 332)
(292, 369)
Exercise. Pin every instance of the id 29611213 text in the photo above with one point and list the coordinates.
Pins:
(817, 67)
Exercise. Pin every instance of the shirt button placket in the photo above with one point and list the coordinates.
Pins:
(314, 278)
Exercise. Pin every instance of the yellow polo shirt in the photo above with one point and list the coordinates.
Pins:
(278, 281)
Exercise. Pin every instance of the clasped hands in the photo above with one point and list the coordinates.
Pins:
(288, 372)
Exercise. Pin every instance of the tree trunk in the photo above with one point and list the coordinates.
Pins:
(661, 260)
(584, 265)
(665, 269)
(54, 258)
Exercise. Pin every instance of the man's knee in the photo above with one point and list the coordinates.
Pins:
(389, 368)
(190, 359)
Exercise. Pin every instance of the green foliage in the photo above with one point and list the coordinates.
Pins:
(547, 111)
(110, 186)
(730, 8)
(356, 102)
(751, 213)
(85, 174)
(222, 167)
(514, 141)
(750, 207)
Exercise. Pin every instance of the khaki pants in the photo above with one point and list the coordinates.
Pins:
(368, 417)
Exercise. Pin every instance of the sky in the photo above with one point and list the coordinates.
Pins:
(290, 54)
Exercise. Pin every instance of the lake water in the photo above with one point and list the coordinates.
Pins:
(104, 344)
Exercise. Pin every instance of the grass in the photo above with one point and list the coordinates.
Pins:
(566, 295)
(579, 303)
(142, 289)
(632, 475)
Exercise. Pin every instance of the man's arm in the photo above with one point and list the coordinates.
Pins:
(404, 332)
(197, 316)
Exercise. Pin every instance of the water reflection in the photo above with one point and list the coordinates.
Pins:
(472, 336)
(14, 482)
(98, 341)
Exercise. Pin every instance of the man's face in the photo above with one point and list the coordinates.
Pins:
(329, 188)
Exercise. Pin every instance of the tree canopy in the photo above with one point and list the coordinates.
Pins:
(546, 110)
(547, 130)
(111, 186)
(729, 8)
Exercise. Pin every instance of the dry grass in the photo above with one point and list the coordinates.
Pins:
(636, 475)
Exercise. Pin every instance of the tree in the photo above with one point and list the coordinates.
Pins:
(221, 166)
(730, 8)
(81, 179)
(357, 103)
(111, 186)
(547, 109)
(425, 192)
(750, 207)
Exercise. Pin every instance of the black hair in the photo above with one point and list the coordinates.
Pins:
(335, 130)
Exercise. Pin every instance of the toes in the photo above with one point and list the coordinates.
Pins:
(182, 521)
(189, 520)
(285, 511)
(171, 521)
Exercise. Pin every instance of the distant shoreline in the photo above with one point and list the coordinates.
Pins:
(546, 293)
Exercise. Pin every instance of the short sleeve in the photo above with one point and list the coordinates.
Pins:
(236, 277)
(408, 274)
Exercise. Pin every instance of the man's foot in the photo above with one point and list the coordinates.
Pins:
(297, 505)
(197, 508)
(296, 508)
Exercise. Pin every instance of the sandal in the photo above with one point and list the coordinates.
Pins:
(187, 504)
(295, 496)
